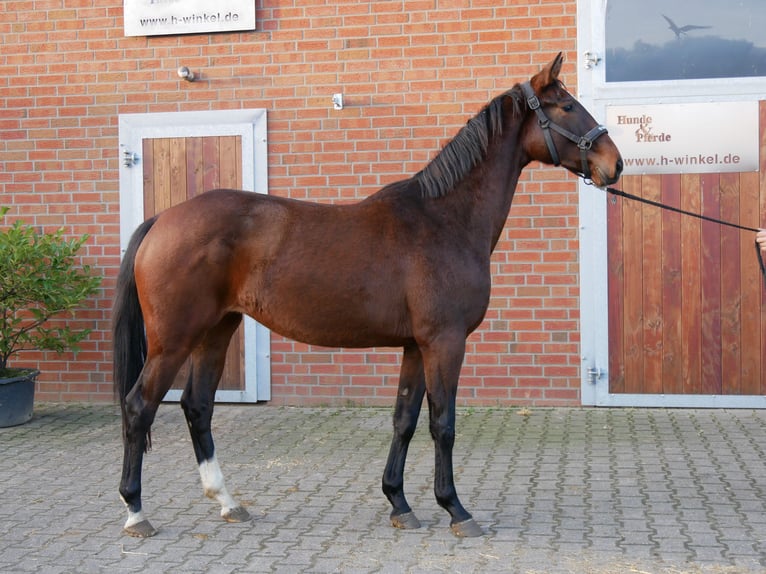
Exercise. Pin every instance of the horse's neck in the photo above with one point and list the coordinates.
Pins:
(491, 188)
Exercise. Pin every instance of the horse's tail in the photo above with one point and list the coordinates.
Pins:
(128, 337)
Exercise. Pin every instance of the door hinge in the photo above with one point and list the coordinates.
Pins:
(590, 60)
(129, 158)
(594, 374)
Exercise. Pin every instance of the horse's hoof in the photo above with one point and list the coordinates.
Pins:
(406, 521)
(238, 514)
(466, 529)
(142, 529)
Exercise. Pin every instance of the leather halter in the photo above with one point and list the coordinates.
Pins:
(584, 143)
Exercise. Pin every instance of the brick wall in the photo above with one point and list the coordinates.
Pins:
(412, 72)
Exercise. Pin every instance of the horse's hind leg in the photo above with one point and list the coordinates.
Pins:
(409, 400)
(140, 407)
(197, 402)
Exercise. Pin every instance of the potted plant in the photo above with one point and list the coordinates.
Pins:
(39, 278)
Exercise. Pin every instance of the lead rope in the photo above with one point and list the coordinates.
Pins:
(627, 195)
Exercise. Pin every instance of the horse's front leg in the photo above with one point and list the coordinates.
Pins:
(409, 400)
(197, 403)
(443, 361)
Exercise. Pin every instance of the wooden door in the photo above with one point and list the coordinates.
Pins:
(176, 169)
(687, 302)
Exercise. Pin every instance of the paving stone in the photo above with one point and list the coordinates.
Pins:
(556, 490)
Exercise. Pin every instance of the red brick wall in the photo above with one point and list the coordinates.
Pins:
(412, 72)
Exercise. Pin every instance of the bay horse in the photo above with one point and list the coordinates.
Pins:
(408, 266)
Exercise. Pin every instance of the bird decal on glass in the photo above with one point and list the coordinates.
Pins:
(680, 30)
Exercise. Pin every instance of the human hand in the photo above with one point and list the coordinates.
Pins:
(760, 238)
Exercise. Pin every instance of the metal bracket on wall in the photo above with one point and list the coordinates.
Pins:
(590, 60)
(129, 158)
(594, 374)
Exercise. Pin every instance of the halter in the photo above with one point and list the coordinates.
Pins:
(584, 143)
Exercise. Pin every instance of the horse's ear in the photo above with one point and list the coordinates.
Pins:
(548, 75)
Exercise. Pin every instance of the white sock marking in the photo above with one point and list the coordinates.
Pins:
(213, 485)
(133, 517)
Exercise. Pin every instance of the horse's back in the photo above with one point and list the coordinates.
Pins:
(372, 273)
(317, 273)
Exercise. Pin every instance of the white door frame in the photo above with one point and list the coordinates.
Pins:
(595, 94)
(251, 126)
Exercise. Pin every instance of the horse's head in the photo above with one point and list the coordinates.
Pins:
(559, 130)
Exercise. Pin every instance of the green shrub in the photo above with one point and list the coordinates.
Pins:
(39, 278)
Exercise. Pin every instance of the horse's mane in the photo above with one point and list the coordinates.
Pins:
(460, 155)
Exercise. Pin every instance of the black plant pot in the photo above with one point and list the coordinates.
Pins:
(17, 397)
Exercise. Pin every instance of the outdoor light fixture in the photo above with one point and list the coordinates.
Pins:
(186, 74)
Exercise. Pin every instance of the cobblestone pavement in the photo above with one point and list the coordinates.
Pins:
(557, 491)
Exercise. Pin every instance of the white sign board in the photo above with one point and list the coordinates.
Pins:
(163, 17)
(686, 138)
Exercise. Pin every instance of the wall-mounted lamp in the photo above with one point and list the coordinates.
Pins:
(186, 74)
(337, 101)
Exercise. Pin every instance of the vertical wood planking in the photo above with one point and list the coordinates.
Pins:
(690, 284)
(195, 167)
(229, 162)
(731, 288)
(147, 165)
(752, 284)
(711, 379)
(652, 286)
(633, 310)
(238, 149)
(708, 326)
(616, 289)
(211, 157)
(162, 197)
(178, 188)
(672, 342)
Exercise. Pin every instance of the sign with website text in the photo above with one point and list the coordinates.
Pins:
(686, 138)
(163, 17)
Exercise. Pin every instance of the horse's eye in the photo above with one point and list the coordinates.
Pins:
(568, 107)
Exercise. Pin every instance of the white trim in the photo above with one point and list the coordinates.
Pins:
(251, 126)
(680, 401)
(594, 327)
(594, 291)
(595, 94)
(683, 91)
